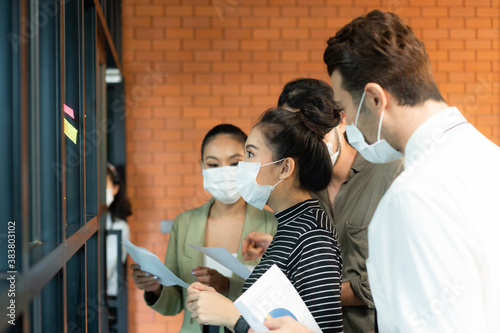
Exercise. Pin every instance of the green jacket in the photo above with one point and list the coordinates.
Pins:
(189, 228)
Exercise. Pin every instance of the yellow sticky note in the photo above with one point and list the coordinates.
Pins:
(70, 131)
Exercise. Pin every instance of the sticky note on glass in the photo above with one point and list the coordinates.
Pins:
(70, 131)
(68, 111)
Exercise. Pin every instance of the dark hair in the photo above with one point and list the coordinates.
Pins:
(297, 92)
(381, 48)
(299, 135)
(227, 129)
(120, 207)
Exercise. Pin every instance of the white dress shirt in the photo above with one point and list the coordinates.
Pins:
(434, 241)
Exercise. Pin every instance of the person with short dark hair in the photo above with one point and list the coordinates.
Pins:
(433, 240)
(285, 160)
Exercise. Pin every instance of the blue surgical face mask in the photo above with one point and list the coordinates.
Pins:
(378, 152)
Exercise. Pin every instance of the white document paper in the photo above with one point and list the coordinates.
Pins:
(150, 263)
(225, 258)
(273, 296)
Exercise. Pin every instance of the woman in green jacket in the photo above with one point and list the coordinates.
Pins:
(221, 222)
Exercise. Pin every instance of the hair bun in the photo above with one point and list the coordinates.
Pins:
(319, 115)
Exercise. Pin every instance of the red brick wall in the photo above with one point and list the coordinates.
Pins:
(192, 64)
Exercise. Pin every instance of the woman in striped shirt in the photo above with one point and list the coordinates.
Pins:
(285, 150)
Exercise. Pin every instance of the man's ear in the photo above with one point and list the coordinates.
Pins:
(341, 125)
(376, 97)
(287, 168)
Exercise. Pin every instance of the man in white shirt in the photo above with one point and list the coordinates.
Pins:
(434, 249)
(434, 252)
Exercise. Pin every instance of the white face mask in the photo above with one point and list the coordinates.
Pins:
(109, 196)
(329, 145)
(221, 183)
(246, 181)
(378, 152)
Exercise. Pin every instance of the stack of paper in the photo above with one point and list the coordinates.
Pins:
(151, 264)
(272, 296)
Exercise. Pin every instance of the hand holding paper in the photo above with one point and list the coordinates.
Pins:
(273, 296)
(151, 264)
(225, 258)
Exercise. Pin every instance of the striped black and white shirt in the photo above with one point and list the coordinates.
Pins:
(305, 248)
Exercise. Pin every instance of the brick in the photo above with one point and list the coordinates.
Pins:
(488, 33)
(148, 10)
(488, 55)
(451, 3)
(478, 23)
(255, 22)
(148, 55)
(266, 33)
(312, 22)
(252, 89)
(181, 33)
(196, 67)
(233, 67)
(178, 11)
(435, 12)
(164, 22)
(254, 67)
(478, 44)
(137, 21)
(254, 45)
(233, 44)
(451, 66)
(224, 89)
(282, 45)
(283, 22)
(294, 11)
(462, 12)
(196, 45)
(167, 89)
(196, 89)
(208, 56)
(266, 55)
(148, 33)
(478, 66)
(227, 22)
(238, 33)
(235, 100)
(478, 3)
(208, 78)
(462, 33)
(267, 11)
(164, 45)
(322, 11)
(435, 33)
(295, 33)
(208, 33)
(237, 55)
(451, 23)
(351, 12)
(196, 22)
(237, 78)
(451, 44)
(424, 22)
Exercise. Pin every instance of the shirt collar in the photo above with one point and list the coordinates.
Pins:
(359, 164)
(291, 213)
(424, 138)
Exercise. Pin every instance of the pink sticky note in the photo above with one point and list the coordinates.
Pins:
(68, 111)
